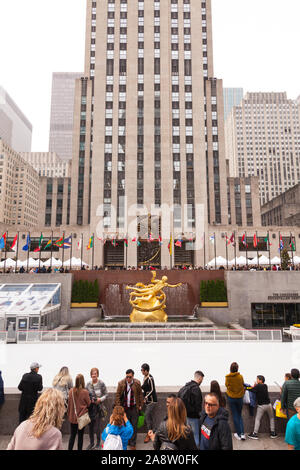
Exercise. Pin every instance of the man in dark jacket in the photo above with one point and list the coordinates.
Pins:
(1, 390)
(30, 385)
(130, 395)
(289, 392)
(150, 399)
(192, 397)
(214, 427)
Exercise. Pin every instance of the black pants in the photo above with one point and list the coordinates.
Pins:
(95, 427)
(133, 416)
(74, 431)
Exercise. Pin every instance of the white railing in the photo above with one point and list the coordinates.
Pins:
(145, 335)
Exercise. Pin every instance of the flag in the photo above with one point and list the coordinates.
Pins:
(227, 240)
(67, 242)
(3, 241)
(292, 244)
(178, 243)
(138, 243)
(114, 242)
(281, 246)
(170, 246)
(27, 246)
(267, 241)
(59, 242)
(255, 241)
(40, 244)
(49, 243)
(79, 243)
(134, 239)
(232, 240)
(126, 242)
(150, 238)
(160, 240)
(91, 243)
(14, 244)
(212, 239)
(244, 241)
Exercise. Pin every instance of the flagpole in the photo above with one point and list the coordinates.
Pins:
(126, 252)
(226, 251)
(71, 252)
(235, 250)
(40, 252)
(204, 249)
(269, 249)
(257, 255)
(17, 254)
(93, 251)
(246, 250)
(63, 253)
(51, 250)
(81, 248)
(215, 243)
(280, 249)
(292, 248)
(28, 251)
(5, 251)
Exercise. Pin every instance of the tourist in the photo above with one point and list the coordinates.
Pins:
(42, 430)
(98, 394)
(192, 398)
(290, 391)
(2, 397)
(78, 404)
(292, 432)
(234, 383)
(263, 406)
(119, 425)
(174, 434)
(215, 388)
(150, 399)
(63, 382)
(214, 427)
(130, 395)
(30, 385)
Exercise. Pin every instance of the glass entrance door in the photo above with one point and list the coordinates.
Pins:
(275, 315)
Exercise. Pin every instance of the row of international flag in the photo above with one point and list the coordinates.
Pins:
(231, 241)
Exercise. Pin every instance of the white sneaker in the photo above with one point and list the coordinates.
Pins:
(243, 437)
(237, 436)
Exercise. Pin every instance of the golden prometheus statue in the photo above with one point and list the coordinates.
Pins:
(149, 301)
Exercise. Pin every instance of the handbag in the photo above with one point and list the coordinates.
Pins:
(83, 420)
(97, 408)
(246, 398)
(278, 413)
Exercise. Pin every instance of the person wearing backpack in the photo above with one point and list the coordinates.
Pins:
(118, 432)
(192, 398)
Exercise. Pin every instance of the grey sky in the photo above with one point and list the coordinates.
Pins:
(255, 47)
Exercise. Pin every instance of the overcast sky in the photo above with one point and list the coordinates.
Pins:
(256, 47)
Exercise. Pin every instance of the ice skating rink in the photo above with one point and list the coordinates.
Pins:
(172, 364)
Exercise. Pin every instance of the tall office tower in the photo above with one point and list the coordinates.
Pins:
(232, 97)
(15, 129)
(149, 125)
(48, 164)
(62, 113)
(263, 139)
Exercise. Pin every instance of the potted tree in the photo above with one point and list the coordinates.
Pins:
(85, 294)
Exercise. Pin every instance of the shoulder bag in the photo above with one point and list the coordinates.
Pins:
(83, 420)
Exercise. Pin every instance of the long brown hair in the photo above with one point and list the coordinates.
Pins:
(79, 383)
(215, 388)
(176, 424)
(49, 411)
(118, 416)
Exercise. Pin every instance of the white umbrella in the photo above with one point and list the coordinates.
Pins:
(253, 261)
(276, 260)
(241, 261)
(74, 262)
(56, 263)
(261, 261)
(9, 263)
(219, 261)
(32, 263)
(296, 260)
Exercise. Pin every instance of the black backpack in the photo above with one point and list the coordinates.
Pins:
(186, 395)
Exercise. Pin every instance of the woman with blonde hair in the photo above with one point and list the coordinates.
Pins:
(63, 382)
(41, 431)
(174, 433)
(78, 404)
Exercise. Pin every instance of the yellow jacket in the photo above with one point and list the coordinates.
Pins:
(234, 383)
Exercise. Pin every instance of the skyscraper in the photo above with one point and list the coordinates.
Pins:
(62, 113)
(148, 132)
(232, 97)
(15, 129)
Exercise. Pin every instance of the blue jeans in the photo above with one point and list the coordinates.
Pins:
(236, 406)
(194, 423)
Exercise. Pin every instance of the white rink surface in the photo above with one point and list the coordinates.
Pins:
(171, 364)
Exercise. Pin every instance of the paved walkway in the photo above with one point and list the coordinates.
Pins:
(264, 443)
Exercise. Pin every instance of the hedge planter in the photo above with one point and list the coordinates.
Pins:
(84, 305)
(214, 304)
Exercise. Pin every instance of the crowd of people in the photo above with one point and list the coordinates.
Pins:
(190, 423)
(68, 269)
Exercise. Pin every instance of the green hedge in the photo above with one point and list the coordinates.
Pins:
(85, 291)
(213, 291)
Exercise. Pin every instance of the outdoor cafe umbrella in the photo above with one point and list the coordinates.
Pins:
(219, 261)
(55, 263)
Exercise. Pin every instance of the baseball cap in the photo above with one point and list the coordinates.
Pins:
(35, 365)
